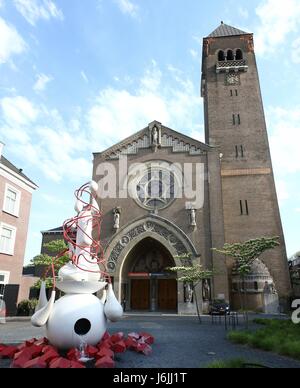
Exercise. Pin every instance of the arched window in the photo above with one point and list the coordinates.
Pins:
(230, 56)
(221, 56)
(239, 54)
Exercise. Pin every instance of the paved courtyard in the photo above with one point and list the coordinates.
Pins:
(181, 342)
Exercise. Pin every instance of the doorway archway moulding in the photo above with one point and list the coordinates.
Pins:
(156, 227)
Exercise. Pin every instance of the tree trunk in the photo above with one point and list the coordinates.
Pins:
(197, 305)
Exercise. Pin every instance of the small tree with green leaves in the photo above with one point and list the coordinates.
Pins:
(192, 276)
(244, 254)
(55, 248)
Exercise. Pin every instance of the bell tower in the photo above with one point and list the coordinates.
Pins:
(235, 123)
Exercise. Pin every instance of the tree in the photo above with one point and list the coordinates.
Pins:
(55, 248)
(192, 276)
(244, 254)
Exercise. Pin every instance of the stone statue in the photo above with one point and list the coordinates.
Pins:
(189, 293)
(267, 288)
(193, 221)
(206, 290)
(155, 136)
(117, 218)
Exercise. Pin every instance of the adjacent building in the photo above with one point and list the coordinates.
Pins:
(16, 191)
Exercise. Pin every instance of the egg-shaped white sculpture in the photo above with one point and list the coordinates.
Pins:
(76, 318)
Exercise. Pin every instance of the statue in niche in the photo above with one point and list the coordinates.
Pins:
(206, 290)
(189, 293)
(155, 136)
(193, 221)
(117, 218)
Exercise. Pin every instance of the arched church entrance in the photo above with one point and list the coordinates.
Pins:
(147, 284)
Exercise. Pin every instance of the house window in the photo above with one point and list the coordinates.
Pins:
(7, 239)
(12, 200)
(4, 279)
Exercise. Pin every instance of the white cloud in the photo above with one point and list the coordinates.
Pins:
(198, 133)
(44, 139)
(84, 76)
(278, 18)
(193, 53)
(34, 10)
(62, 149)
(284, 125)
(127, 7)
(42, 82)
(18, 111)
(11, 42)
(117, 113)
(298, 210)
(282, 190)
(296, 51)
(243, 12)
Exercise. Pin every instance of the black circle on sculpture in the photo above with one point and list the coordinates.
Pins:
(82, 326)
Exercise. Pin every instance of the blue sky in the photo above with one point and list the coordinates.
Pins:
(77, 76)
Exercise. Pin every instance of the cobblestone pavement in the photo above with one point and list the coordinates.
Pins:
(181, 342)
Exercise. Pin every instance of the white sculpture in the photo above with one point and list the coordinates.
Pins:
(79, 316)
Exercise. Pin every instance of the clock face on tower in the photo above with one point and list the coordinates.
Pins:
(232, 79)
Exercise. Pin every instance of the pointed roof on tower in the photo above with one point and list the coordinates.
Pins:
(226, 30)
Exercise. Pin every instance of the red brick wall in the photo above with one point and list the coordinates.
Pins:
(14, 264)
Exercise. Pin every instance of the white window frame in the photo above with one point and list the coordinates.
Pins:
(18, 200)
(6, 275)
(14, 233)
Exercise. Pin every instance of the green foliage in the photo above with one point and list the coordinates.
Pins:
(48, 281)
(26, 307)
(245, 253)
(192, 274)
(237, 363)
(55, 247)
(279, 336)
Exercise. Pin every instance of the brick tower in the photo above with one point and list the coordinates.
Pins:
(235, 122)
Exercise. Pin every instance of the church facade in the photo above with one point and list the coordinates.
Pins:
(171, 199)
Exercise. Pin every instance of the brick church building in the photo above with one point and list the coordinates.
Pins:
(147, 232)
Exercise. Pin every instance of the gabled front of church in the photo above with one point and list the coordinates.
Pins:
(172, 198)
